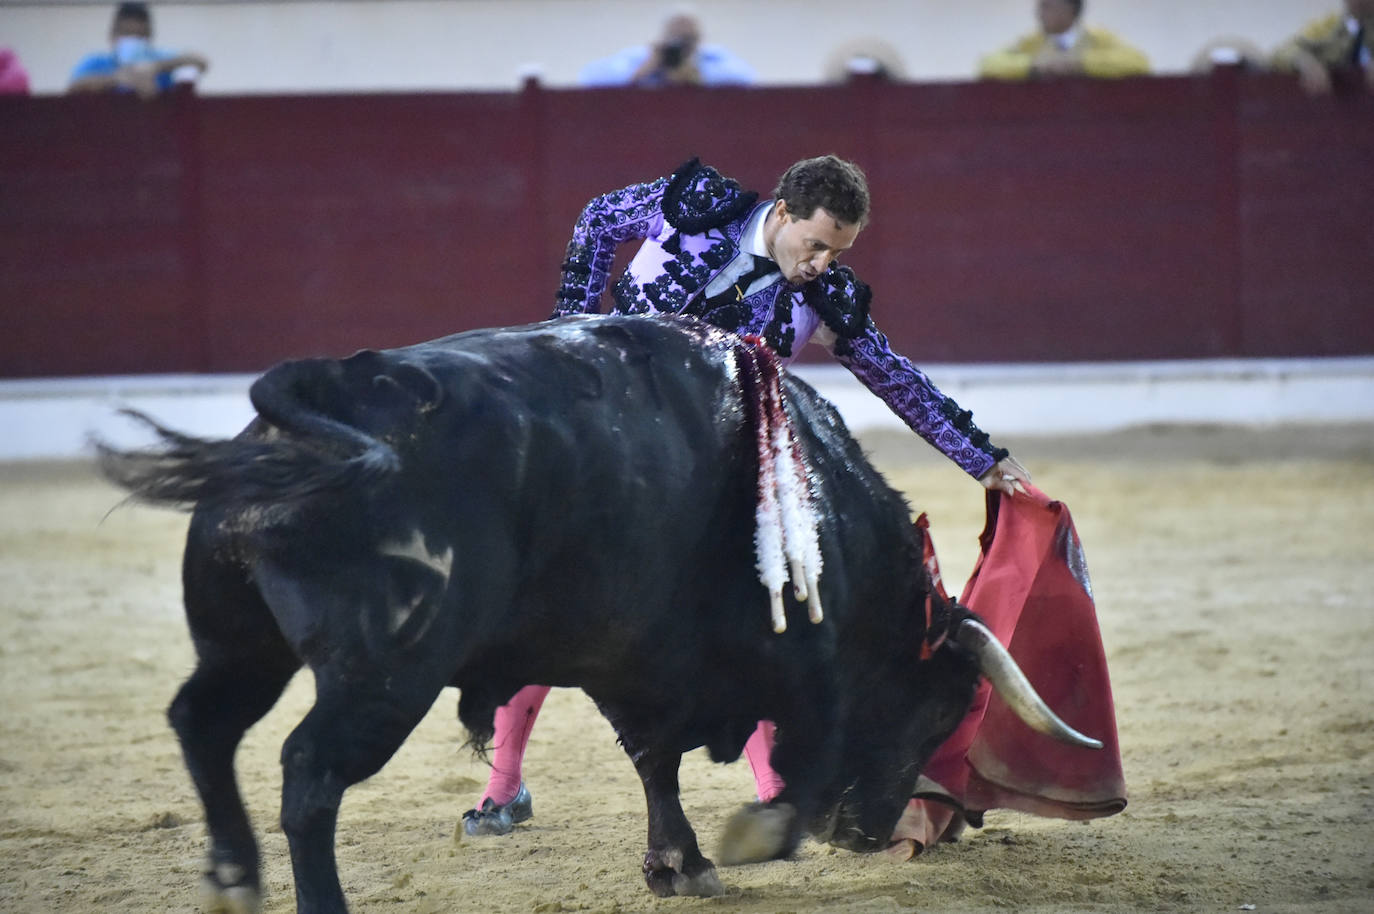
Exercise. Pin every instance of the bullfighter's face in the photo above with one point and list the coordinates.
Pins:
(804, 248)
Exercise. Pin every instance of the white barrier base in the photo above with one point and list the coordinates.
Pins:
(1045, 399)
(54, 418)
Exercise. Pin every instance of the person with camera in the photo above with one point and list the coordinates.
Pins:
(677, 58)
(133, 64)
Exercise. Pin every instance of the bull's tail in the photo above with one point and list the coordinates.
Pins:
(303, 452)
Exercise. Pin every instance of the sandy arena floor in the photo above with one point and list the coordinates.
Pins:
(1234, 573)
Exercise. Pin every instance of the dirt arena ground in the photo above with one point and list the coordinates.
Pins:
(1234, 573)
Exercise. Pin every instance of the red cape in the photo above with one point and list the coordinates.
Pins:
(1030, 585)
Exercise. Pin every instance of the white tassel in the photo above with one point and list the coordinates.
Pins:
(786, 541)
(768, 541)
(800, 539)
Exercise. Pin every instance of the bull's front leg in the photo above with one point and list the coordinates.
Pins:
(673, 864)
(806, 757)
(760, 832)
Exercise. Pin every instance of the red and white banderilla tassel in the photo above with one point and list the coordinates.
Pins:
(785, 536)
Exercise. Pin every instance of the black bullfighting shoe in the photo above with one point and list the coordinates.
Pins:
(492, 819)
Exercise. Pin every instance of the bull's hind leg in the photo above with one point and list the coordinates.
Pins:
(358, 722)
(673, 864)
(210, 713)
(243, 666)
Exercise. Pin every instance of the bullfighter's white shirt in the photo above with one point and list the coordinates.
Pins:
(751, 245)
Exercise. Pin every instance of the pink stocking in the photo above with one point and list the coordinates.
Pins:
(514, 721)
(767, 783)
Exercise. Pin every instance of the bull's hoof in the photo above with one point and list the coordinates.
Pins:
(494, 819)
(758, 832)
(225, 890)
(704, 884)
(665, 880)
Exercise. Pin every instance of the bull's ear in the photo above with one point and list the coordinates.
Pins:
(415, 381)
(936, 620)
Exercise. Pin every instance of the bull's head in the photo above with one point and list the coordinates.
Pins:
(898, 720)
(891, 741)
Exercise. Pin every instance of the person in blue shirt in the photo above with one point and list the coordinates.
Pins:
(678, 58)
(132, 64)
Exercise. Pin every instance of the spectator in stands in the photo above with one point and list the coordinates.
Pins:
(1337, 45)
(132, 64)
(864, 57)
(1064, 47)
(1229, 51)
(14, 79)
(678, 58)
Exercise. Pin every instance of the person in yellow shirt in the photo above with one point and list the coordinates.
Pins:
(1064, 47)
(1338, 45)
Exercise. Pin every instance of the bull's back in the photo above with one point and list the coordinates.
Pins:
(554, 482)
(612, 495)
(551, 484)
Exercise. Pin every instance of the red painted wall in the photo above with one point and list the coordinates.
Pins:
(1222, 216)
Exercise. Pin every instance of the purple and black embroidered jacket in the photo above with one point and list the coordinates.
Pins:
(691, 225)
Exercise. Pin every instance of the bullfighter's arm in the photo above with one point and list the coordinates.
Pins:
(918, 402)
(842, 299)
(606, 222)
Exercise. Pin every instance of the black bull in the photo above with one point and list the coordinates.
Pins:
(569, 503)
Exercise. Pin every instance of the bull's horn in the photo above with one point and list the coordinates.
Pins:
(1014, 688)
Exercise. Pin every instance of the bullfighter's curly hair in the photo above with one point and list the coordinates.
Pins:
(826, 182)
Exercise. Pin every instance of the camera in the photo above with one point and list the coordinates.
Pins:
(673, 54)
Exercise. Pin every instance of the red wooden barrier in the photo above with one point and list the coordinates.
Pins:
(1222, 216)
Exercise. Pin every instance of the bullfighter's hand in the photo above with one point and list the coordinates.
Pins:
(1007, 476)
